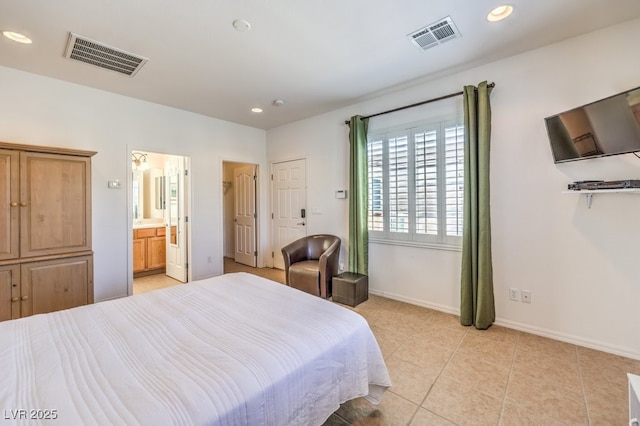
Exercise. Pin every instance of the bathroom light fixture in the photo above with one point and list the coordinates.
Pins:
(256, 110)
(139, 161)
(20, 38)
(500, 13)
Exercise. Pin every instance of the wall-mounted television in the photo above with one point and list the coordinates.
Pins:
(609, 126)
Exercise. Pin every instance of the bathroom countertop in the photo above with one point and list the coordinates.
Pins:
(148, 225)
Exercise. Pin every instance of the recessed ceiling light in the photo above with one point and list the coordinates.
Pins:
(500, 13)
(17, 37)
(256, 110)
(241, 25)
(278, 102)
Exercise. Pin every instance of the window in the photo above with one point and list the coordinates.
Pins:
(416, 184)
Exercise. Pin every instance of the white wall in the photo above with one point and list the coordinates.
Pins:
(580, 264)
(42, 111)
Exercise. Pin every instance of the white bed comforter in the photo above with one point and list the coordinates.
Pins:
(231, 350)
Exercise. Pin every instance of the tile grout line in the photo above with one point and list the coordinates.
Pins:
(506, 388)
(584, 392)
(406, 337)
(419, 405)
(413, 416)
(438, 377)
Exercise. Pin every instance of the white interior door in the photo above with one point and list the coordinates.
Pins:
(289, 200)
(176, 243)
(244, 215)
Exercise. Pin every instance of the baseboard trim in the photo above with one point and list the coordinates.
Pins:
(569, 338)
(538, 331)
(400, 298)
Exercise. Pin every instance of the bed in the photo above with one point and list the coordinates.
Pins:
(230, 350)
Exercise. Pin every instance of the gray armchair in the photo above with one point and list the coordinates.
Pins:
(310, 263)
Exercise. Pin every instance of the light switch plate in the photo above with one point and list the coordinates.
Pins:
(114, 184)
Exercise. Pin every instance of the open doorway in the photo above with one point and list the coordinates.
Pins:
(160, 190)
(239, 189)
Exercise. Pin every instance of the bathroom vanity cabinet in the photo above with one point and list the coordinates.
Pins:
(149, 250)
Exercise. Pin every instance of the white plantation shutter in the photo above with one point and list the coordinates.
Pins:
(376, 180)
(426, 182)
(399, 184)
(454, 175)
(416, 185)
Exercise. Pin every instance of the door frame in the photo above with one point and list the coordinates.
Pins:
(188, 185)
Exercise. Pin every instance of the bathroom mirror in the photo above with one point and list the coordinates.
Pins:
(138, 195)
(148, 198)
(160, 201)
(173, 212)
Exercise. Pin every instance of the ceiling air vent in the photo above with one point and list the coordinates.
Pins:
(434, 34)
(104, 56)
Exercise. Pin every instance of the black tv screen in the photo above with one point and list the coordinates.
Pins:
(609, 126)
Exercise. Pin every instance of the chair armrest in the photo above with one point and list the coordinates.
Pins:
(329, 263)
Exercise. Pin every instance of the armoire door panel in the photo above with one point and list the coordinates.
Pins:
(54, 285)
(55, 207)
(9, 292)
(10, 204)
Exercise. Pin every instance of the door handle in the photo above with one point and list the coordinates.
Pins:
(301, 223)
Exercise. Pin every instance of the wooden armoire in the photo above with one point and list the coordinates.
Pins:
(46, 259)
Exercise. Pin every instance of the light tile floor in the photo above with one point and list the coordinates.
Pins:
(447, 374)
(444, 373)
(152, 282)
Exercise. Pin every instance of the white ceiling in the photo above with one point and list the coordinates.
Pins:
(317, 55)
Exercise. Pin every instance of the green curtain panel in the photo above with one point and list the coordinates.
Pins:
(358, 196)
(477, 306)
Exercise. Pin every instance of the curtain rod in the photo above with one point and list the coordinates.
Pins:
(428, 101)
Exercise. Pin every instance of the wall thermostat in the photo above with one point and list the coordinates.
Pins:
(341, 193)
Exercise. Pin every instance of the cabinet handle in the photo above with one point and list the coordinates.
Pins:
(23, 204)
(14, 299)
(14, 204)
(25, 297)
